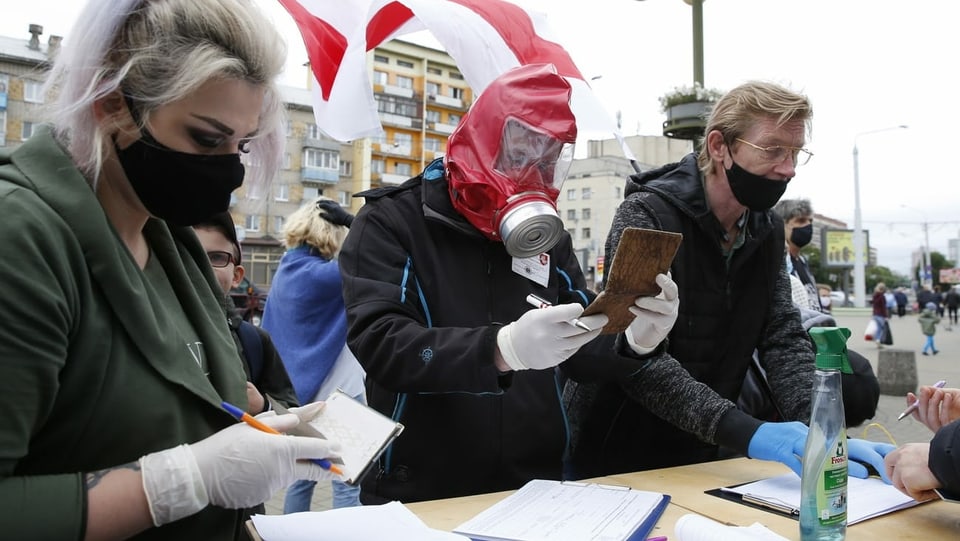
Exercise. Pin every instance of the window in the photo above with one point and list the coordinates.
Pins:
(402, 140)
(435, 71)
(3, 128)
(310, 193)
(432, 144)
(433, 116)
(283, 193)
(402, 169)
(32, 91)
(397, 106)
(456, 92)
(572, 232)
(453, 119)
(571, 194)
(278, 223)
(313, 131)
(252, 223)
(432, 88)
(380, 58)
(286, 160)
(572, 214)
(377, 166)
(323, 159)
(456, 75)
(343, 197)
(585, 214)
(404, 82)
(346, 169)
(586, 193)
(26, 130)
(288, 126)
(404, 64)
(616, 192)
(585, 233)
(380, 77)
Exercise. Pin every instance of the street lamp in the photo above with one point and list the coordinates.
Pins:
(927, 277)
(859, 285)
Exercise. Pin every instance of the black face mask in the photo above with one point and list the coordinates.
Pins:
(801, 236)
(179, 187)
(753, 191)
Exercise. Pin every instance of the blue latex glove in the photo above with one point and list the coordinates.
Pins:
(860, 452)
(782, 442)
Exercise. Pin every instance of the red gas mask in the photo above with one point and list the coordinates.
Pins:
(509, 156)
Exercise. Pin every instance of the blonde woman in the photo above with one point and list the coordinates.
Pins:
(306, 318)
(115, 357)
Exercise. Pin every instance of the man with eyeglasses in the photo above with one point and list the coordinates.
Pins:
(261, 362)
(735, 297)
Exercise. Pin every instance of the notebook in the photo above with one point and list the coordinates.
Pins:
(545, 510)
(363, 432)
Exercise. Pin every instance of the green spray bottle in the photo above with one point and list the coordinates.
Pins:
(823, 482)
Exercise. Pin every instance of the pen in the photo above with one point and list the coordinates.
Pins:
(916, 403)
(252, 421)
(537, 302)
(658, 538)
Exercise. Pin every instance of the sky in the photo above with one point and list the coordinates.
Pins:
(867, 65)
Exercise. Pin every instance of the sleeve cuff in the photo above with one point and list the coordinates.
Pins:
(736, 429)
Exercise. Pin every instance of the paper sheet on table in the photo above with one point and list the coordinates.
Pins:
(866, 498)
(363, 523)
(692, 527)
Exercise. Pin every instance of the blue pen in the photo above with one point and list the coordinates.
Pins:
(252, 421)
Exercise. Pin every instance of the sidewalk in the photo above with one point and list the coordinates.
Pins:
(906, 335)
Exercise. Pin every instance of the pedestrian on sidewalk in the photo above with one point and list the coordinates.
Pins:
(928, 324)
(880, 313)
(952, 300)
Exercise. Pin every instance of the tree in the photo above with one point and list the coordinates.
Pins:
(937, 261)
(878, 273)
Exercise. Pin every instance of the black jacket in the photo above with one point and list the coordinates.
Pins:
(944, 458)
(682, 404)
(425, 295)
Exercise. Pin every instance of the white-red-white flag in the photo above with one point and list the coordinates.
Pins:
(484, 37)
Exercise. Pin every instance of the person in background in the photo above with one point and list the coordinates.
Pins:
(735, 298)
(261, 362)
(861, 389)
(901, 297)
(917, 469)
(928, 320)
(952, 301)
(305, 316)
(826, 301)
(880, 313)
(436, 277)
(115, 356)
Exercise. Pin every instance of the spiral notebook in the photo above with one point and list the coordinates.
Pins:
(363, 432)
(545, 510)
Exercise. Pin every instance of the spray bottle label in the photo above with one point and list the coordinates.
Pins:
(832, 488)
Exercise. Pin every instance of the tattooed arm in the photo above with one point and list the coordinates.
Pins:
(116, 504)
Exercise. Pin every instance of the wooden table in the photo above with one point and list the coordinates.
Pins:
(686, 485)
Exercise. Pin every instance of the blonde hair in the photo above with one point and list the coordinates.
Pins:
(306, 227)
(157, 52)
(743, 106)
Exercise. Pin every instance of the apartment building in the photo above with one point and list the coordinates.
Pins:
(24, 63)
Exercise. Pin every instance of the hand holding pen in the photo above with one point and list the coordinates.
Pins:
(546, 337)
(934, 406)
(538, 302)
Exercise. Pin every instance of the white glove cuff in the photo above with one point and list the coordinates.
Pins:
(505, 343)
(173, 484)
(637, 348)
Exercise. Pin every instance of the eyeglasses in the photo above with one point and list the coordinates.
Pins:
(776, 153)
(220, 259)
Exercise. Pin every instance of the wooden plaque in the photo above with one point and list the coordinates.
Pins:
(641, 255)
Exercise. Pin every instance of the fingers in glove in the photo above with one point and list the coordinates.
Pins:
(576, 341)
(595, 321)
(654, 304)
(793, 462)
(280, 423)
(858, 470)
(668, 288)
(308, 412)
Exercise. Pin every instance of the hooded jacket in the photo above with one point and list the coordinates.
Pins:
(426, 294)
(681, 405)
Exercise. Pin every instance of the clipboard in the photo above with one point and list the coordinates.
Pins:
(568, 511)
(363, 432)
(641, 255)
(756, 503)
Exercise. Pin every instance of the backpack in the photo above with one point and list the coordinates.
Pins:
(252, 349)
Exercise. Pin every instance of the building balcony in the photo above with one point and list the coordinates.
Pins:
(394, 179)
(325, 144)
(441, 128)
(317, 174)
(396, 120)
(446, 101)
(398, 91)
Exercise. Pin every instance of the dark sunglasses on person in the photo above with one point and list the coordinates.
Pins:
(220, 259)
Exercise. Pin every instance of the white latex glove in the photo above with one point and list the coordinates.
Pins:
(655, 317)
(544, 337)
(235, 468)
